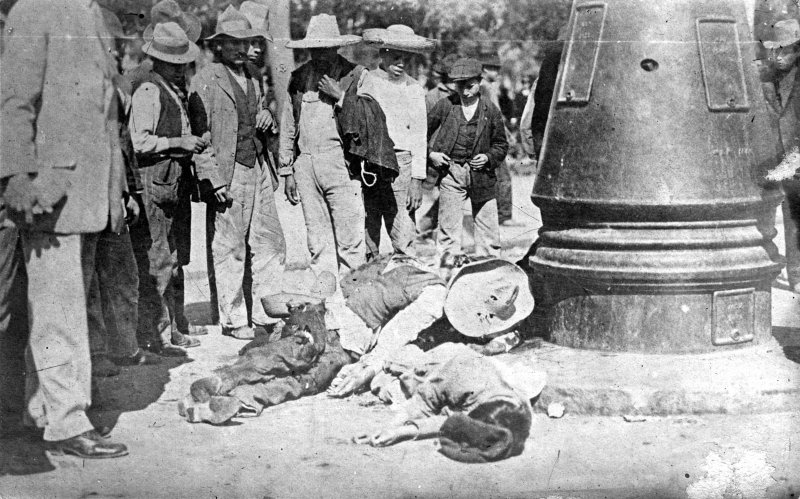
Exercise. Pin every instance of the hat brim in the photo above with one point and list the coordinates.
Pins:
(276, 305)
(190, 24)
(463, 78)
(385, 39)
(189, 57)
(320, 43)
(771, 45)
(240, 34)
(459, 306)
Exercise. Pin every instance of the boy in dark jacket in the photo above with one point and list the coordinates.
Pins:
(469, 146)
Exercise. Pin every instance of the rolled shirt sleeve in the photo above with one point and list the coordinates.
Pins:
(145, 110)
(288, 131)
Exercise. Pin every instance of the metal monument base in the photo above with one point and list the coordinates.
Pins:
(745, 381)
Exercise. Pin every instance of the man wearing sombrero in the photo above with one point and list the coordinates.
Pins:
(311, 154)
(236, 178)
(393, 201)
(780, 83)
(164, 145)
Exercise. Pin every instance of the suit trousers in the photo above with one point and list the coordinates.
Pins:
(59, 374)
(791, 219)
(246, 231)
(13, 325)
(385, 203)
(453, 192)
(113, 295)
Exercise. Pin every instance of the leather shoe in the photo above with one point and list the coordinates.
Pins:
(89, 445)
(140, 358)
(240, 333)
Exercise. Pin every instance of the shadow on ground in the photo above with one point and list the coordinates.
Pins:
(789, 339)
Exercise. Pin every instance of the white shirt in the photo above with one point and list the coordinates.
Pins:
(145, 111)
(403, 103)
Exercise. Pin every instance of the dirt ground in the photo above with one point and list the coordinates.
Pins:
(303, 448)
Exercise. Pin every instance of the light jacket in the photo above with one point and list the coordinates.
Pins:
(59, 112)
(212, 107)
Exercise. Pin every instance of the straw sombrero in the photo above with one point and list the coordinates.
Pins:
(488, 297)
(232, 23)
(399, 37)
(170, 44)
(169, 11)
(323, 32)
(299, 285)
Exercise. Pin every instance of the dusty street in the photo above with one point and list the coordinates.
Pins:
(303, 448)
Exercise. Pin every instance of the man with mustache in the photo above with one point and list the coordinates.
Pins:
(236, 179)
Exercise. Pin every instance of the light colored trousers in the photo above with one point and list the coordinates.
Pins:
(452, 194)
(59, 371)
(332, 203)
(248, 226)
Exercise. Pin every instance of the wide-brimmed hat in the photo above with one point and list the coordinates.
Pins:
(323, 32)
(488, 297)
(465, 69)
(399, 37)
(232, 23)
(258, 15)
(785, 33)
(167, 11)
(170, 44)
(299, 285)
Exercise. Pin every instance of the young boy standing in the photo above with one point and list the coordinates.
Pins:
(470, 144)
(402, 99)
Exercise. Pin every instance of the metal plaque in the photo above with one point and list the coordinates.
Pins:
(582, 51)
(733, 316)
(721, 64)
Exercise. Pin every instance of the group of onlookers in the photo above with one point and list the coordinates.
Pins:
(99, 171)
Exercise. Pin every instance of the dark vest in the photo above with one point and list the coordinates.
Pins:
(465, 140)
(169, 120)
(248, 147)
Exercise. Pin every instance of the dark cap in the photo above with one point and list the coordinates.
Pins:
(444, 65)
(464, 69)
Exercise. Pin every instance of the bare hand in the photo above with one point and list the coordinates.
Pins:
(266, 122)
(388, 436)
(439, 159)
(222, 195)
(329, 86)
(478, 161)
(20, 196)
(351, 379)
(132, 210)
(191, 143)
(414, 199)
(291, 190)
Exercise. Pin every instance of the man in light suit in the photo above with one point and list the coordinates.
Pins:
(62, 179)
(236, 179)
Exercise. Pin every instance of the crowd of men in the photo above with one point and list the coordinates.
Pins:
(99, 170)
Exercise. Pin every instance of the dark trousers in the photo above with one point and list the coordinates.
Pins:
(283, 370)
(791, 218)
(505, 201)
(161, 242)
(13, 325)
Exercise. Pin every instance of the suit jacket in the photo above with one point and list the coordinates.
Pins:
(212, 107)
(59, 112)
(490, 139)
(783, 94)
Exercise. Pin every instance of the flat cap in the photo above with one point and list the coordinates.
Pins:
(464, 69)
